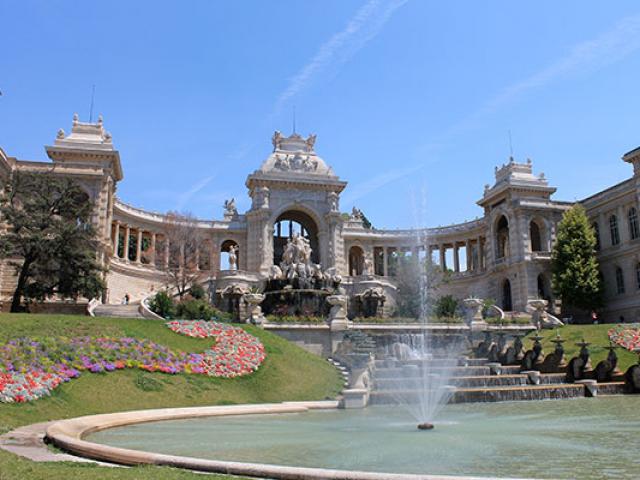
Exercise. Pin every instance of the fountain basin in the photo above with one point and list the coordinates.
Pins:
(502, 440)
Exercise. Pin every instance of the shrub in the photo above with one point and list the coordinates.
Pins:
(195, 309)
(162, 304)
(446, 306)
(487, 311)
(310, 319)
(197, 291)
(390, 320)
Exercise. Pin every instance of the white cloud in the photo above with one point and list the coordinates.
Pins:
(184, 197)
(342, 46)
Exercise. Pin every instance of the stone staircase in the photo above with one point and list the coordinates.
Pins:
(474, 380)
(118, 311)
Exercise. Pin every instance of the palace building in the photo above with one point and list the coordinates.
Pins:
(505, 254)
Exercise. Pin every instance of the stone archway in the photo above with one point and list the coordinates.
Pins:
(225, 251)
(291, 223)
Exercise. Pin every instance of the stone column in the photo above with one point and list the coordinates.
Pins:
(213, 258)
(116, 240)
(127, 234)
(385, 267)
(456, 258)
(166, 252)
(467, 247)
(623, 225)
(139, 246)
(480, 264)
(443, 258)
(152, 260)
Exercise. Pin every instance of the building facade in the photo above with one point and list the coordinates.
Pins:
(505, 254)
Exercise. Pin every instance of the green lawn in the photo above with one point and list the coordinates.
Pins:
(288, 373)
(596, 334)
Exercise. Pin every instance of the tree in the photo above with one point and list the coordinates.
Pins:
(181, 231)
(576, 278)
(49, 238)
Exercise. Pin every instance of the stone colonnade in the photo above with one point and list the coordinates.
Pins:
(384, 264)
(146, 247)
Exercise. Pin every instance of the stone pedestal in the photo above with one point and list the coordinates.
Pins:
(338, 314)
(539, 316)
(355, 398)
(254, 309)
(474, 313)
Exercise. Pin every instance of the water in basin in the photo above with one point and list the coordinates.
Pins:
(583, 438)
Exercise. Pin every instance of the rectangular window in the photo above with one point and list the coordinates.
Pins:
(634, 228)
(613, 227)
(619, 281)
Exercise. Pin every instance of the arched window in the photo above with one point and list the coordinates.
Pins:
(596, 232)
(613, 228)
(634, 228)
(619, 281)
(507, 304)
(535, 236)
(228, 249)
(356, 261)
(638, 276)
(502, 238)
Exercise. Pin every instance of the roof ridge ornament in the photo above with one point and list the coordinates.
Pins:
(294, 142)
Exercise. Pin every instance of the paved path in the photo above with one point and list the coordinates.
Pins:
(28, 442)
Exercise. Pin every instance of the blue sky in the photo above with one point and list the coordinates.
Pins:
(412, 100)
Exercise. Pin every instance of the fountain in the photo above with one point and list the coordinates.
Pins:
(297, 286)
(422, 364)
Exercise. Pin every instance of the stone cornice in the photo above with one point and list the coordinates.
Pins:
(139, 215)
(65, 154)
(469, 229)
(295, 181)
(609, 194)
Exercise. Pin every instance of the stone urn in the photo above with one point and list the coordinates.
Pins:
(474, 313)
(539, 315)
(253, 301)
(338, 313)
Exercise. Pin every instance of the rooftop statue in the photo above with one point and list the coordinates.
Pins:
(276, 140)
(230, 207)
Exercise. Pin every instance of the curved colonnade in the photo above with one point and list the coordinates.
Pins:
(141, 251)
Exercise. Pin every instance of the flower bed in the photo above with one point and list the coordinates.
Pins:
(627, 336)
(31, 368)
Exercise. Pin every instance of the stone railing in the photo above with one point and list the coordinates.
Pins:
(92, 305)
(146, 311)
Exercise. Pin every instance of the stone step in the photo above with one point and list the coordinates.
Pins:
(611, 388)
(486, 394)
(414, 371)
(390, 384)
(117, 311)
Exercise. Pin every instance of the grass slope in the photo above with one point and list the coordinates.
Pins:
(288, 373)
(596, 334)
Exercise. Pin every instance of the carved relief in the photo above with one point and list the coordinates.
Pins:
(296, 162)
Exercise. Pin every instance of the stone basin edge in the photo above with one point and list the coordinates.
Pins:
(69, 435)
